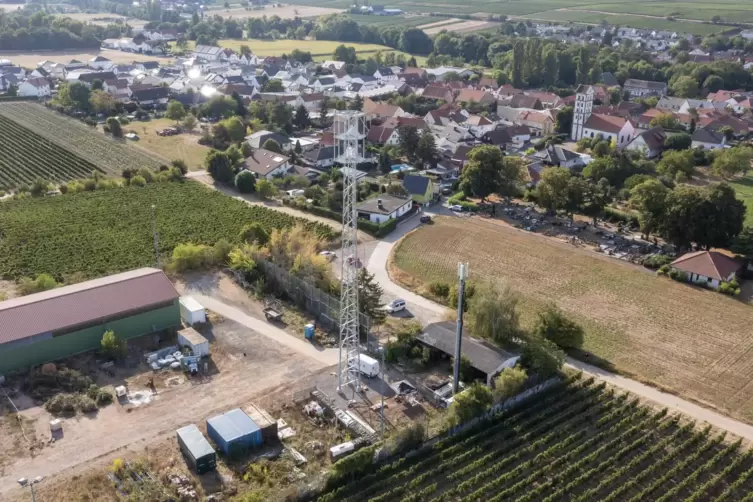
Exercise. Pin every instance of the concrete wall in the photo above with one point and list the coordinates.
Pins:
(21, 355)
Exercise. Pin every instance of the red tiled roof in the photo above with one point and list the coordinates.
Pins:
(468, 95)
(83, 303)
(605, 123)
(379, 134)
(711, 264)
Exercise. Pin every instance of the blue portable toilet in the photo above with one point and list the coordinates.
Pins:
(309, 331)
(234, 432)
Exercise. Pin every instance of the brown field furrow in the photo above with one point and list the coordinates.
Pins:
(691, 341)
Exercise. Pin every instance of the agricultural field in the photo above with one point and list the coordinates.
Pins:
(461, 27)
(391, 21)
(640, 14)
(282, 11)
(107, 231)
(576, 441)
(31, 59)
(26, 156)
(72, 136)
(320, 49)
(691, 341)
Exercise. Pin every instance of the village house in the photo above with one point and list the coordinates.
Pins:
(642, 88)
(542, 123)
(478, 125)
(649, 143)
(384, 208)
(438, 92)
(119, 88)
(383, 135)
(708, 139)
(150, 96)
(320, 158)
(267, 164)
(100, 63)
(377, 110)
(207, 52)
(708, 268)
(420, 188)
(476, 96)
(34, 87)
(257, 139)
(556, 155)
(384, 75)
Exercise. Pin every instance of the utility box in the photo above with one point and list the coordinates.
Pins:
(234, 432)
(191, 311)
(368, 365)
(191, 338)
(199, 454)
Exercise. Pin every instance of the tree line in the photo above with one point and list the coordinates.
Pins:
(27, 30)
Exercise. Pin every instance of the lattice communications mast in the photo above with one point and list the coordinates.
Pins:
(349, 130)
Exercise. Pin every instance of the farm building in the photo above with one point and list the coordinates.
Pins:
(488, 361)
(198, 452)
(54, 324)
(234, 432)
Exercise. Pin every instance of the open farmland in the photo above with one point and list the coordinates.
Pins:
(26, 156)
(282, 11)
(108, 231)
(576, 442)
(109, 155)
(640, 14)
(462, 27)
(689, 340)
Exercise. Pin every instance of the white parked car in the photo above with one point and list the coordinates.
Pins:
(457, 208)
(330, 255)
(131, 135)
(395, 306)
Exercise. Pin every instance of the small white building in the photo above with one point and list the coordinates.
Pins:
(708, 139)
(191, 311)
(267, 164)
(383, 208)
(708, 268)
(192, 339)
(610, 128)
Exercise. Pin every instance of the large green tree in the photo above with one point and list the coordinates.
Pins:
(219, 166)
(488, 172)
(426, 150)
(493, 313)
(554, 325)
(370, 296)
(409, 140)
(649, 199)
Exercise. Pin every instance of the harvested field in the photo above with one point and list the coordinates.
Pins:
(73, 136)
(283, 11)
(32, 58)
(462, 27)
(451, 20)
(694, 342)
(11, 6)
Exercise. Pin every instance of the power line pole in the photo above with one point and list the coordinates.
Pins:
(462, 276)
(384, 382)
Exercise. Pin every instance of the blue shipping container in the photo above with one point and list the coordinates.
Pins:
(234, 432)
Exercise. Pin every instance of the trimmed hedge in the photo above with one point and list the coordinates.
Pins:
(613, 214)
(375, 229)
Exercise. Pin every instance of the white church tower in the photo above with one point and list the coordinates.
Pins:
(584, 103)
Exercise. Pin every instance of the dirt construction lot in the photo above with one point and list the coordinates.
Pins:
(248, 367)
(691, 341)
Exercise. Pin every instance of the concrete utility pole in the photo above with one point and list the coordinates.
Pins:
(155, 235)
(384, 382)
(25, 482)
(462, 276)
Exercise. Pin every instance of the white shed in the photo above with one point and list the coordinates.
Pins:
(191, 311)
(189, 337)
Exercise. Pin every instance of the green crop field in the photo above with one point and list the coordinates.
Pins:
(393, 21)
(108, 231)
(744, 188)
(576, 442)
(588, 11)
(41, 143)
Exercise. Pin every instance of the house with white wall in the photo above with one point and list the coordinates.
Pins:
(610, 128)
(34, 87)
(384, 208)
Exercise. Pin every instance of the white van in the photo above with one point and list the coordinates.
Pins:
(368, 365)
(395, 306)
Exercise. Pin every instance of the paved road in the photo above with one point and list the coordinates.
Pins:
(325, 356)
(426, 310)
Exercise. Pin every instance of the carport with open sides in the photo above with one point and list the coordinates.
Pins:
(440, 337)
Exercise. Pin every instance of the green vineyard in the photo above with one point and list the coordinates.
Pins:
(108, 231)
(575, 441)
(41, 143)
(26, 156)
